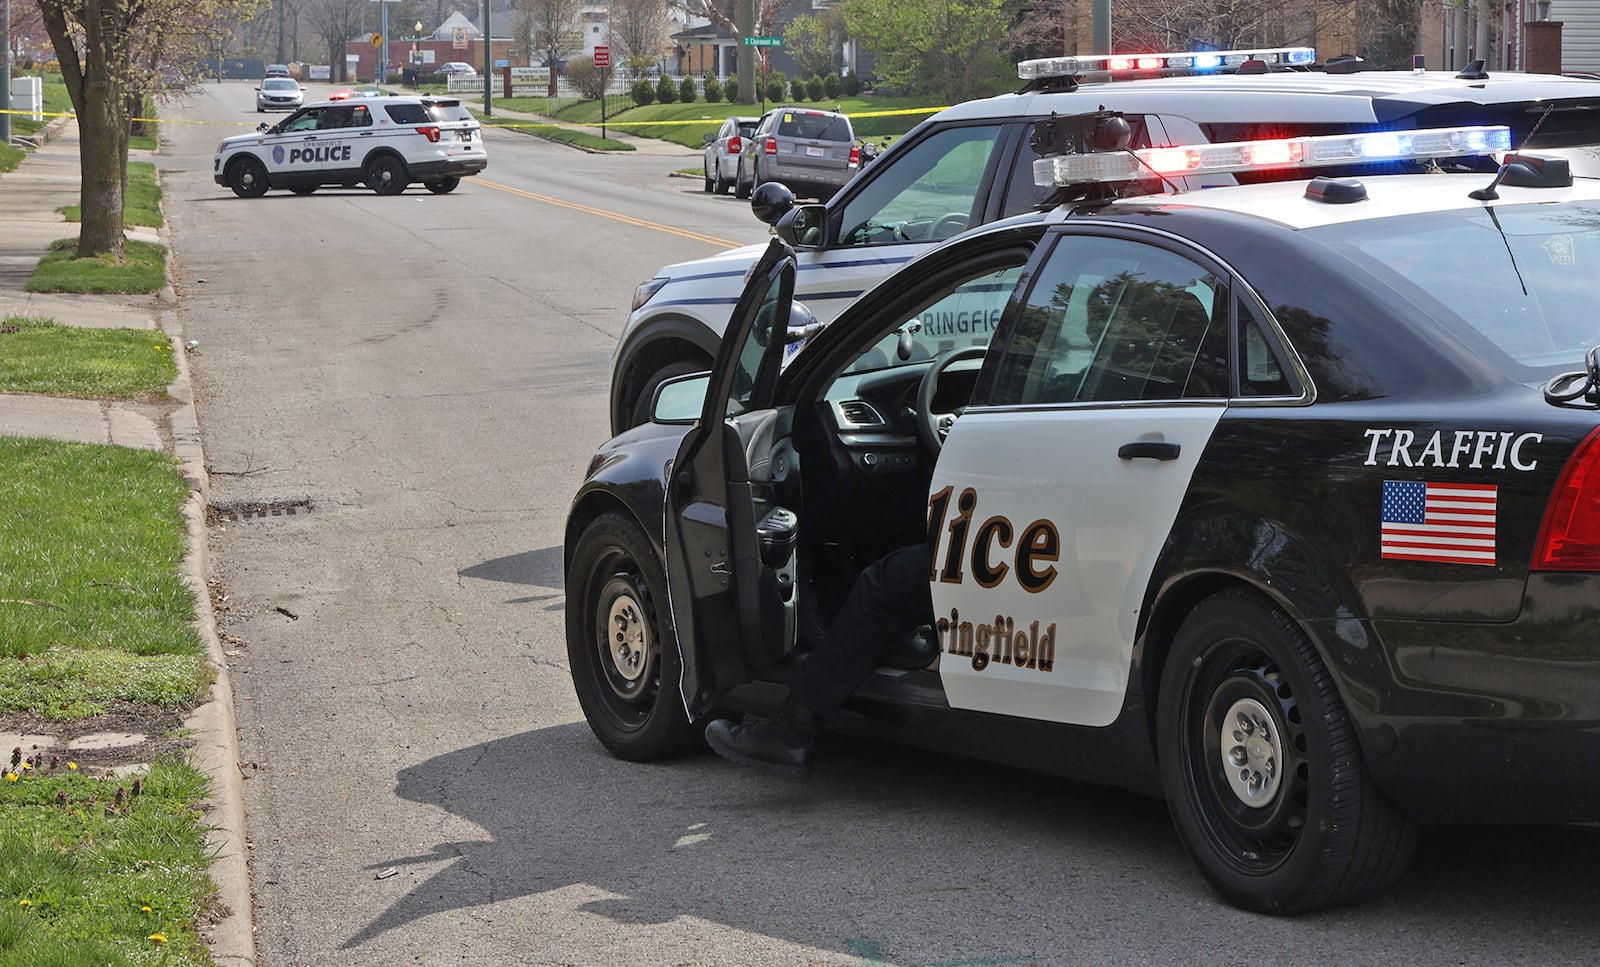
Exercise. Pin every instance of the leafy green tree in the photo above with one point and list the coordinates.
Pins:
(810, 42)
(947, 50)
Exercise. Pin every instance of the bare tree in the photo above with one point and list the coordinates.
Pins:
(114, 53)
(555, 28)
(335, 22)
(720, 13)
(638, 32)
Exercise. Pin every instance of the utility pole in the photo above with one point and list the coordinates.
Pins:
(1100, 26)
(488, 62)
(5, 72)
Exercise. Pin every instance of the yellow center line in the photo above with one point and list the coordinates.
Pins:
(628, 219)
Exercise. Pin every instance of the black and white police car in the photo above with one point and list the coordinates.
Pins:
(1281, 501)
(384, 143)
(972, 164)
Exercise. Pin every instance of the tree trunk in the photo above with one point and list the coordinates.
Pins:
(95, 84)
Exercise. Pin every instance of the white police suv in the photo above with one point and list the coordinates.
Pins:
(1280, 501)
(971, 164)
(384, 143)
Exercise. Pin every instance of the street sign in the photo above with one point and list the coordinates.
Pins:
(602, 57)
(376, 39)
(763, 41)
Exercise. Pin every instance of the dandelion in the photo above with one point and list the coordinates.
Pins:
(158, 939)
(24, 903)
(145, 908)
(27, 767)
(72, 766)
(12, 777)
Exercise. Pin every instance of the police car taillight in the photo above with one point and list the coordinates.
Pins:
(1569, 538)
(431, 131)
(1186, 62)
(1309, 152)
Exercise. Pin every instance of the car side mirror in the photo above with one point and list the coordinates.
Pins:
(710, 138)
(802, 226)
(904, 347)
(680, 399)
(262, 127)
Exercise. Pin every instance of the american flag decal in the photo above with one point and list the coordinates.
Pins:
(1454, 523)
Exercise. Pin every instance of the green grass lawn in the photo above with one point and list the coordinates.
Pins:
(100, 870)
(43, 357)
(93, 608)
(141, 203)
(143, 269)
(688, 124)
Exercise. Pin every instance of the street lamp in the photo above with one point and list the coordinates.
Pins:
(416, 57)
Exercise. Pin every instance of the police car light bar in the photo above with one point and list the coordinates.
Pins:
(1309, 152)
(1192, 60)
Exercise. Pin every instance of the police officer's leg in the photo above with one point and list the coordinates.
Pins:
(889, 600)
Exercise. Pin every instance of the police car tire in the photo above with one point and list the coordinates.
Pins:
(247, 177)
(302, 189)
(442, 186)
(386, 175)
(616, 575)
(1327, 836)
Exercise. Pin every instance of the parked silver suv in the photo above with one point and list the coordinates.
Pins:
(813, 152)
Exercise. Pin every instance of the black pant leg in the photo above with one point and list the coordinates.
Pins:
(889, 600)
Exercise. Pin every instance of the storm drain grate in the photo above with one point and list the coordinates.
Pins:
(226, 513)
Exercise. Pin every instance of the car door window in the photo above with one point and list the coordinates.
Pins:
(756, 366)
(927, 193)
(1112, 320)
(304, 121)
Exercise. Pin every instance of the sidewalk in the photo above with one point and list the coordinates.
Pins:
(48, 179)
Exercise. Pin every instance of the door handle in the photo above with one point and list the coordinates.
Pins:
(1151, 449)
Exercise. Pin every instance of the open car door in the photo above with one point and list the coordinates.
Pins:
(730, 587)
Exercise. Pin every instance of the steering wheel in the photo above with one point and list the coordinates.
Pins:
(933, 427)
(949, 225)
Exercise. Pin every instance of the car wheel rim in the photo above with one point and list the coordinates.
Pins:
(625, 650)
(1248, 759)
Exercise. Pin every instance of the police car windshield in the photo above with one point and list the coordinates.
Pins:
(1521, 291)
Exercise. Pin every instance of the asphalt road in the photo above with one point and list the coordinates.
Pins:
(398, 398)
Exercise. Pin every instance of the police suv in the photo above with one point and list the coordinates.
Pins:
(384, 143)
(1280, 501)
(972, 163)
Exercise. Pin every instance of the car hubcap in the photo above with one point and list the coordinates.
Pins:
(627, 653)
(1252, 751)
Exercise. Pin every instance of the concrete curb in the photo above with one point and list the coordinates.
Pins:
(214, 725)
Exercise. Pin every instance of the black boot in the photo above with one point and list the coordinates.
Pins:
(779, 747)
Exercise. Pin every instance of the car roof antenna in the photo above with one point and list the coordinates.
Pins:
(1489, 193)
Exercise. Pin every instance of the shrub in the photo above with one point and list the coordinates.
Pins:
(643, 92)
(830, 85)
(730, 90)
(713, 89)
(686, 90)
(666, 91)
(852, 84)
(587, 78)
(814, 87)
(777, 86)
